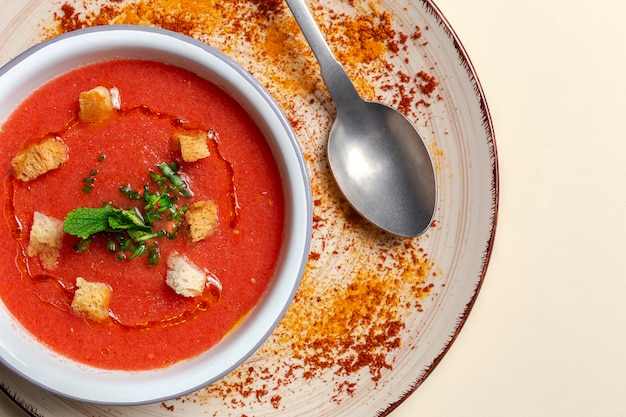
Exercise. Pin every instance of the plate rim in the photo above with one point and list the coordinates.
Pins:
(487, 124)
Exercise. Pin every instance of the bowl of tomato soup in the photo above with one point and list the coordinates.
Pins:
(157, 215)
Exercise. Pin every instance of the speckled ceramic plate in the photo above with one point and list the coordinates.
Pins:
(375, 313)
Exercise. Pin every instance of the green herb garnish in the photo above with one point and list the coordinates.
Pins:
(133, 232)
(85, 222)
(88, 182)
(169, 170)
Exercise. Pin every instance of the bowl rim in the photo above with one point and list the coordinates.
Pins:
(25, 355)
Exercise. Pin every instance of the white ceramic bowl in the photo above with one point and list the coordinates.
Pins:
(20, 351)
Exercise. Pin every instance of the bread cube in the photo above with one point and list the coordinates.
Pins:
(201, 219)
(40, 158)
(46, 239)
(184, 277)
(91, 299)
(95, 105)
(193, 145)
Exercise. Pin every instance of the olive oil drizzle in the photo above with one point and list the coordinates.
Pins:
(214, 148)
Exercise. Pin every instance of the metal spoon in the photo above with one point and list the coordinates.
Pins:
(377, 157)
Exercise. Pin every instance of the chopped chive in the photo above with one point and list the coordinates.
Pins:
(139, 251)
(158, 179)
(82, 245)
(178, 182)
(130, 233)
(154, 256)
(129, 192)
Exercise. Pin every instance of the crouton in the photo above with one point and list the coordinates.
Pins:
(91, 299)
(40, 158)
(201, 219)
(193, 145)
(46, 239)
(95, 105)
(184, 277)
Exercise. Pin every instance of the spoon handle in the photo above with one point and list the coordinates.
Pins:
(334, 75)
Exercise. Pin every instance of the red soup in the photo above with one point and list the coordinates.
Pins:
(143, 211)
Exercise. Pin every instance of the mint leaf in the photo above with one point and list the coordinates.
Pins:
(85, 221)
(128, 219)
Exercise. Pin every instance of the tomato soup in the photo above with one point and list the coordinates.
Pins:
(113, 163)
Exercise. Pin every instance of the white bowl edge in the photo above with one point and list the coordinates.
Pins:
(24, 354)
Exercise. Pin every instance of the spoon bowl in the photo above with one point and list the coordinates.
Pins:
(376, 155)
(383, 168)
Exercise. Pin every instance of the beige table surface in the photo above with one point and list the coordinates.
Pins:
(547, 336)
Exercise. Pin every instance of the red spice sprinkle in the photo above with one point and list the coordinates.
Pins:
(417, 34)
(275, 400)
(167, 407)
(430, 83)
(403, 77)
